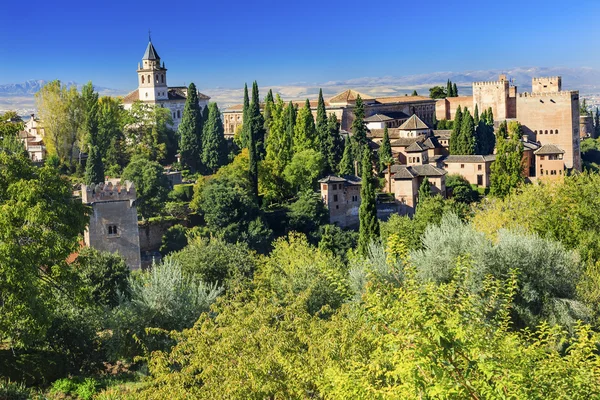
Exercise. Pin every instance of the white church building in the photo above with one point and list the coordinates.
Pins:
(153, 89)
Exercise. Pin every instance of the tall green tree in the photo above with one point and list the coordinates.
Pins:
(454, 90)
(507, 169)
(214, 147)
(245, 133)
(94, 169)
(256, 134)
(151, 185)
(597, 124)
(267, 114)
(111, 137)
(90, 104)
(466, 142)
(385, 151)
(476, 115)
(455, 135)
(369, 224)
(305, 132)
(278, 144)
(346, 166)
(414, 93)
(424, 191)
(190, 131)
(325, 141)
(359, 129)
(449, 92)
(333, 125)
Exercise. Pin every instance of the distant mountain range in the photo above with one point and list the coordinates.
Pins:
(19, 96)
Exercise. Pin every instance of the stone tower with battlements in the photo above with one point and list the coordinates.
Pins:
(113, 224)
(152, 76)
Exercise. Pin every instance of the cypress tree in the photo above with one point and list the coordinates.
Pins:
(245, 120)
(346, 166)
(255, 133)
(205, 112)
(305, 132)
(367, 213)
(269, 104)
(434, 121)
(359, 130)
(455, 135)
(467, 135)
(94, 169)
(190, 131)
(454, 90)
(270, 96)
(333, 126)
(325, 139)
(287, 144)
(476, 115)
(214, 148)
(449, 89)
(597, 124)
(414, 93)
(385, 151)
(490, 117)
(507, 169)
(424, 191)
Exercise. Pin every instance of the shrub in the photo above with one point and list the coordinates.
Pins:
(13, 390)
(174, 239)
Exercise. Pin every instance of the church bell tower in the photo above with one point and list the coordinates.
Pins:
(152, 77)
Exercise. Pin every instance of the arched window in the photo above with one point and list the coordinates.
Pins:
(149, 79)
(551, 131)
(536, 132)
(146, 94)
(156, 78)
(546, 132)
(178, 113)
(162, 78)
(556, 131)
(143, 79)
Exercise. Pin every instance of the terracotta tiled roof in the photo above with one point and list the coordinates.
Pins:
(474, 158)
(131, 97)
(402, 99)
(348, 96)
(548, 149)
(413, 123)
(406, 141)
(393, 133)
(350, 179)
(388, 116)
(416, 147)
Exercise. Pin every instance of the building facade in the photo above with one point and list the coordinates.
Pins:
(113, 224)
(341, 195)
(153, 88)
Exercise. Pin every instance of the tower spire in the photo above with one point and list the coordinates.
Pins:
(149, 35)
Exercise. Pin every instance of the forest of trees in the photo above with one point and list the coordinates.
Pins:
(258, 296)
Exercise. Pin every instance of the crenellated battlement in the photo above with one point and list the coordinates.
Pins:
(563, 93)
(108, 192)
(546, 78)
(489, 83)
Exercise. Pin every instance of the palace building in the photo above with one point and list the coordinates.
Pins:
(153, 88)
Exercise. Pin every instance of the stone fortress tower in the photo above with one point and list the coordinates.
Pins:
(114, 221)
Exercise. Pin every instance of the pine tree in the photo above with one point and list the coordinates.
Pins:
(385, 151)
(455, 135)
(94, 169)
(424, 191)
(190, 131)
(414, 93)
(359, 130)
(255, 133)
(333, 126)
(346, 166)
(449, 89)
(367, 213)
(325, 140)
(454, 90)
(214, 147)
(305, 132)
(467, 135)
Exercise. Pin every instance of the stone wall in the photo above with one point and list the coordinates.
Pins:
(586, 126)
(151, 233)
(494, 95)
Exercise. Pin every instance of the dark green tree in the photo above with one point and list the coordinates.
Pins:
(269, 104)
(369, 224)
(424, 191)
(214, 147)
(437, 92)
(476, 115)
(359, 129)
(90, 104)
(256, 134)
(205, 112)
(190, 131)
(455, 135)
(467, 135)
(245, 134)
(434, 121)
(346, 166)
(94, 168)
(151, 185)
(325, 140)
(507, 169)
(385, 151)
(174, 239)
(454, 90)
(414, 93)
(305, 132)
(333, 126)
(449, 92)
(597, 124)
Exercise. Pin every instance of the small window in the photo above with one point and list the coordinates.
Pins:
(556, 131)
(112, 230)
(541, 171)
(324, 186)
(178, 113)
(335, 197)
(479, 167)
(162, 78)
(143, 80)
(551, 132)
(462, 165)
(560, 171)
(546, 132)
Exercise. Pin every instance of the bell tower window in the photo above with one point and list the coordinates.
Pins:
(142, 79)
(162, 78)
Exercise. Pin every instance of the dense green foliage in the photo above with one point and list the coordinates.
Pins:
(151, 185)
(94, 169)
(369, 224)
(214, 147)
(191, 131)
(507, 170)
(385, 151)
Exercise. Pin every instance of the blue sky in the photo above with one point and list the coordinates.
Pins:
(225, 43)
